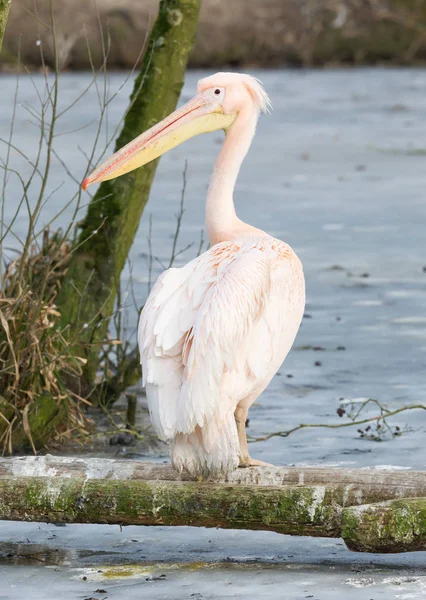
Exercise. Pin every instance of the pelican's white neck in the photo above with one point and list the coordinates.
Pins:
(221, 218)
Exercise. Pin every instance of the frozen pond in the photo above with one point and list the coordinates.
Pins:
(338, 171)
(99, 561)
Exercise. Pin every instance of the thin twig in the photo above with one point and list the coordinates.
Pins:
(201, 244)
(384, 415)
(150, 255)
(179, 216)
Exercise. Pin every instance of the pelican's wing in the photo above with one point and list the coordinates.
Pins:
(192, 330)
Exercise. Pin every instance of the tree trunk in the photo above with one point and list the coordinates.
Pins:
(4, 13)
(117, 207)
(373, 511)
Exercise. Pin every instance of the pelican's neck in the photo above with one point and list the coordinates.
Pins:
(221, 218)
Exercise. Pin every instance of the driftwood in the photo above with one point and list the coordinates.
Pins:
(373, 511)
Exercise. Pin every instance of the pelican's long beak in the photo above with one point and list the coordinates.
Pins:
(197, 116)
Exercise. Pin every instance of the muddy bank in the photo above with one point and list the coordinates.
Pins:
(237, 33)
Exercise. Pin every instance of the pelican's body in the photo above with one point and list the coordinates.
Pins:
(213, 333)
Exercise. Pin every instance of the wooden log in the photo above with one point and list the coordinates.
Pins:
(393, 526)
(295, 511)
(351, 486)
(368, 508)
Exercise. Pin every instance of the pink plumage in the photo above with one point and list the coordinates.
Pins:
(213, 333)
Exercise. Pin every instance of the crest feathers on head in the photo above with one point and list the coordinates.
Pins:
(256, 89)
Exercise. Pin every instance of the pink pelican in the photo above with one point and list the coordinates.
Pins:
(213, 333)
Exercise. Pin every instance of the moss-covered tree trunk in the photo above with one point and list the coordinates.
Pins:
(4, 13)
(89, 290)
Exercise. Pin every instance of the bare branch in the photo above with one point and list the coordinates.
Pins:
(385, 414)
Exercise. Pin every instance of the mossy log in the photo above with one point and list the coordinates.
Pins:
(373, 511)
(393, 526)
(115, 210)
(4, 13)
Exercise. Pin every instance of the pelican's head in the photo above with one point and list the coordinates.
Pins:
(219, 100)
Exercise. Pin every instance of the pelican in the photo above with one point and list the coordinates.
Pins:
(213, 333)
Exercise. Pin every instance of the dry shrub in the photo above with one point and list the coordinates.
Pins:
(35, 357)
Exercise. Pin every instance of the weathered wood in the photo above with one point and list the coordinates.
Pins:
(295, 511)
(353, 486)
(368, 508)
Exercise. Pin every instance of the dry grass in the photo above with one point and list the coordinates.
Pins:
(34, 356)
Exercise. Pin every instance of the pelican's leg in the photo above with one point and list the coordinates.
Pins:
(245, 458)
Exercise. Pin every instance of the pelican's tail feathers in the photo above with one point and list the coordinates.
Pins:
(209, 451)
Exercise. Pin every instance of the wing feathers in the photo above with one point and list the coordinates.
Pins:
(193, 329)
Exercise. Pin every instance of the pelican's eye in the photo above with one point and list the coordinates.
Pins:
(217, 91)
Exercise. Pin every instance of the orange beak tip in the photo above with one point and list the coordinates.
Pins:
(85, 184)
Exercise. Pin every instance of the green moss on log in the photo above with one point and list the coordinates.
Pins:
(118, 205)
(393, 526)
(295, 511)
